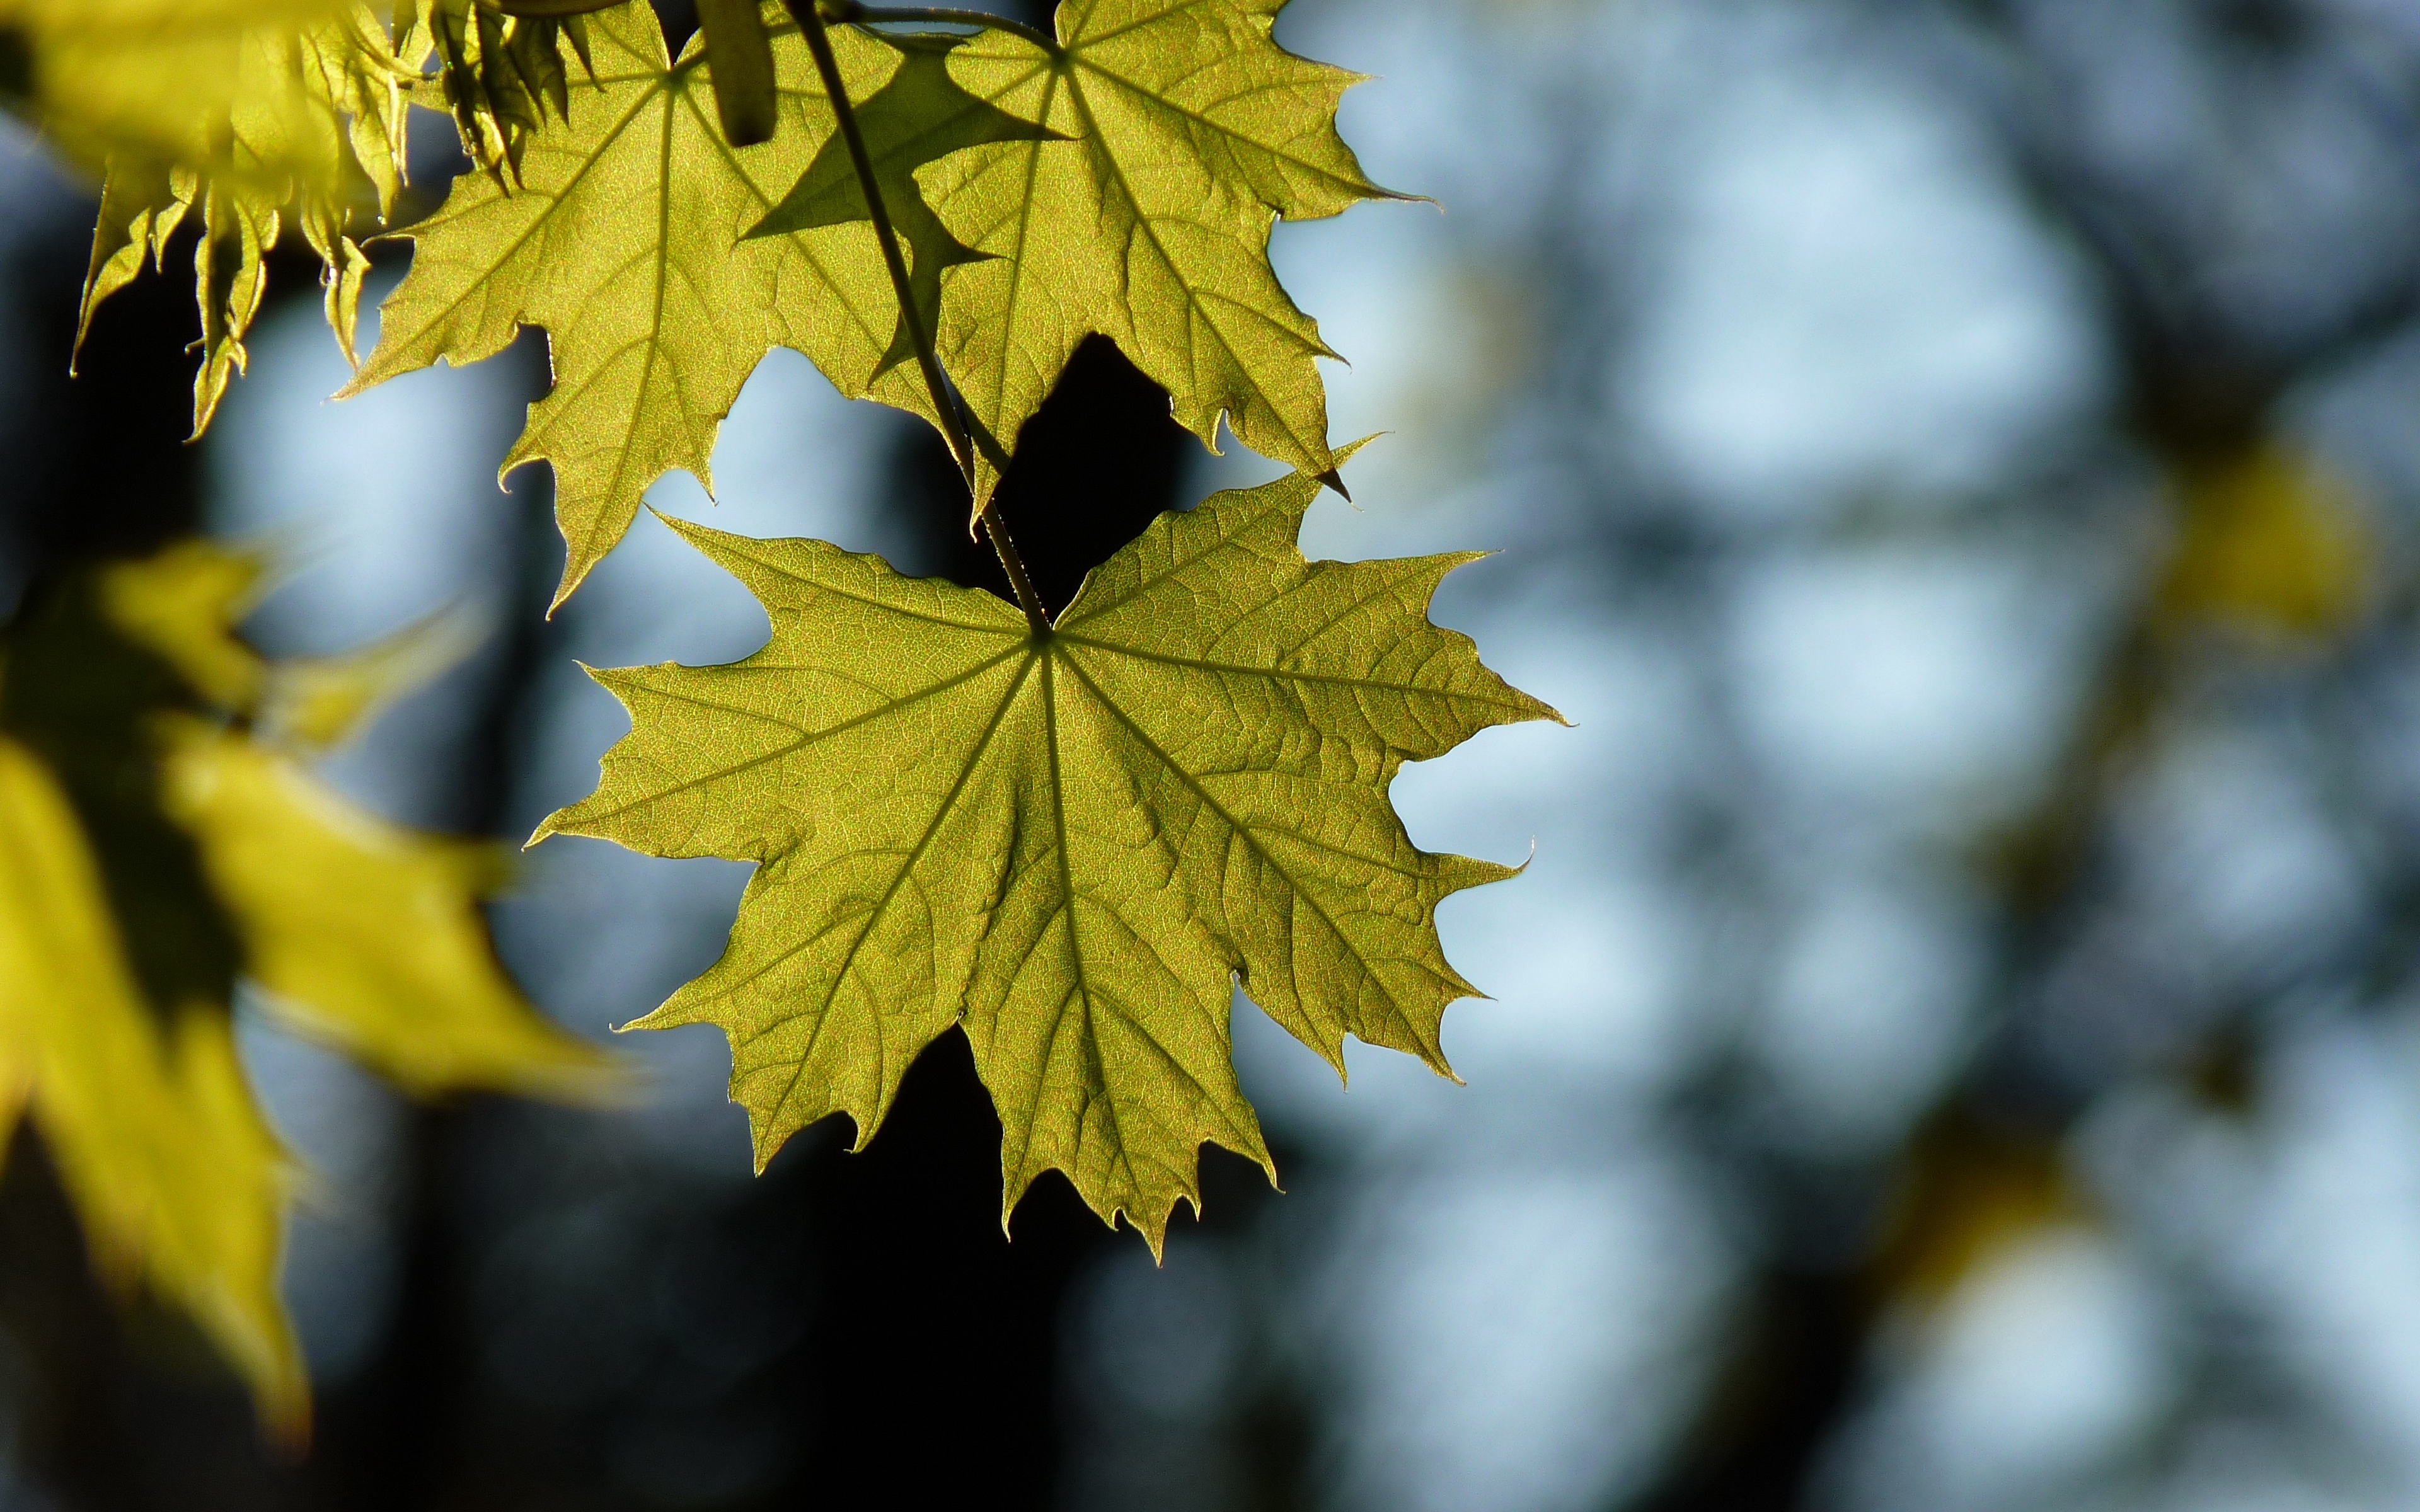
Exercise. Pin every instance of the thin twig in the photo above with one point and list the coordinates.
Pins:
(937, 383)
(850, 11)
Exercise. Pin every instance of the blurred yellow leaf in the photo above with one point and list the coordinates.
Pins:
(2274, 543)
(152, 78)
(155, 847)
(182, 605)
(1968, 1195)
(317, 703)
(146, 1113)
(366, 936)
(316, 122)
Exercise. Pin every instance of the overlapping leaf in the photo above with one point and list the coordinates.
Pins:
(1070, 843)
(920, 115)
(1187, 130)
(150, 853)
(1125, 182)
(624, 240)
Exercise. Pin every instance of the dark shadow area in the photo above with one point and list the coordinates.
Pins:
(1094, 465)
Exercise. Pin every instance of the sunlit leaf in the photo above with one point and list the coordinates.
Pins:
(623, 238)
(318, 123)
(1189, 132)
(1071, 844)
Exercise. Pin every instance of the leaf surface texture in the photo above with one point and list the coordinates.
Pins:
(624, 240)
(1071, 844)
(1182, 132)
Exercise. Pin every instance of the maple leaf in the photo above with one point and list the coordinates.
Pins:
(1071, 843)
(1186, 132)
(624, 240)
(321, 110)
(920, 115)
(156, 844)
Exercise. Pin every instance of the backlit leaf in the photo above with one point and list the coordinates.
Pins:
(1189, 132)
(152, 78)
(623, 238)
(1073, 845)
(318, 123)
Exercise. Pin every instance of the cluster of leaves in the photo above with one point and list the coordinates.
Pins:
(1070, 836)
(160, 839)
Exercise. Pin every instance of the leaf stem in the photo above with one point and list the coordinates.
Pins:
(850, 11)
(953, 425)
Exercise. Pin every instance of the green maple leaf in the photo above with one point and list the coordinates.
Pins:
(624, 240)
(1188, 132)
(1073, 843)
(920, 115)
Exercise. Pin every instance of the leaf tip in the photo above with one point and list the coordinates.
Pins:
(1155, 1236)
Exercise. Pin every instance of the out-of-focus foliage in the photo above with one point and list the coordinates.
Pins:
(146, 1113)
(154, 78)
(1070, 843)
(2271, 543)
(164, 841)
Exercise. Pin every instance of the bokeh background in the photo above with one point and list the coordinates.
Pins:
(1957, 1044)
